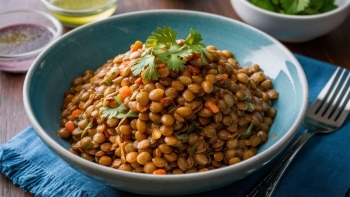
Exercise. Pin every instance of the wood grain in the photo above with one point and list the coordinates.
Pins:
(333, 48)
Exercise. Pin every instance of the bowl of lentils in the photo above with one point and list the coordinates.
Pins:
(167, 107)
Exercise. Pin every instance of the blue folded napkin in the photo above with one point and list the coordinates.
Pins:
(320, 169)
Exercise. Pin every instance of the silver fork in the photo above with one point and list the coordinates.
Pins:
(326, 115)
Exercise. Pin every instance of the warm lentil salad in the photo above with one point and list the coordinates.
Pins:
(169, 107)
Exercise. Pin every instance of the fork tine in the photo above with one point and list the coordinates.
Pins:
(343, 109)
(324, 96)
(336, 96)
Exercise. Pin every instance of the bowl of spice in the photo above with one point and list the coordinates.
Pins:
(293, 20)
(23, 35)
(74, 13)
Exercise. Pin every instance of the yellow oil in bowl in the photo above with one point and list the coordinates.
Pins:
(74, 13)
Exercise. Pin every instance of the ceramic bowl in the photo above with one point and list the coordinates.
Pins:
(292, 28)
(81, 12)
(17, 56)
(53, 71)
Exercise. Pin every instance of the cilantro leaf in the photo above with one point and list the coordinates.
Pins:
(265, 4)
(328, 5)
(165, 37)
(316, 4)
(117, 112)
(172, 56)
(129, 114)
(193, 42)
(142, 63)
(152, 72)
(194, 38)
(294, 6)
(275, 2)
(151, 42)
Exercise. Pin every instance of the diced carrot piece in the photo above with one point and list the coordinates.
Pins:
(138, 81)
(69, 126)
(125, 91)
(225, 76)
(159, 171)
(134, 48)
(193, 69)
(211, 106)
(75, 114)
(161, 66)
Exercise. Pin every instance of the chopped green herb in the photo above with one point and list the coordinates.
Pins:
(182, 136)
(250, 106)
(192, 150)
(248, 131)
(79, 118)
(118, 112)
(88, 145)
(192, 128)
(296, 7)
(89, 126)
(108, 81)
(172, 111)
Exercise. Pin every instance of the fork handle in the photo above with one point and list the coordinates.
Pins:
(267, 186)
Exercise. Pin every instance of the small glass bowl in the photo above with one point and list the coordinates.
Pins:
(77, 17)
(21, 61)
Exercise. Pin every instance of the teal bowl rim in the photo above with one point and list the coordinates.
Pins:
(261, 159)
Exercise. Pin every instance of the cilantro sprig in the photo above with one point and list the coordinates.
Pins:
(296, 7)
(118, 112)
(162, 48)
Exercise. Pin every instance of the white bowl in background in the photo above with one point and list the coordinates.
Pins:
(292, 28)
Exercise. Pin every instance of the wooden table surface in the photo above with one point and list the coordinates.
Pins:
(332, 48)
